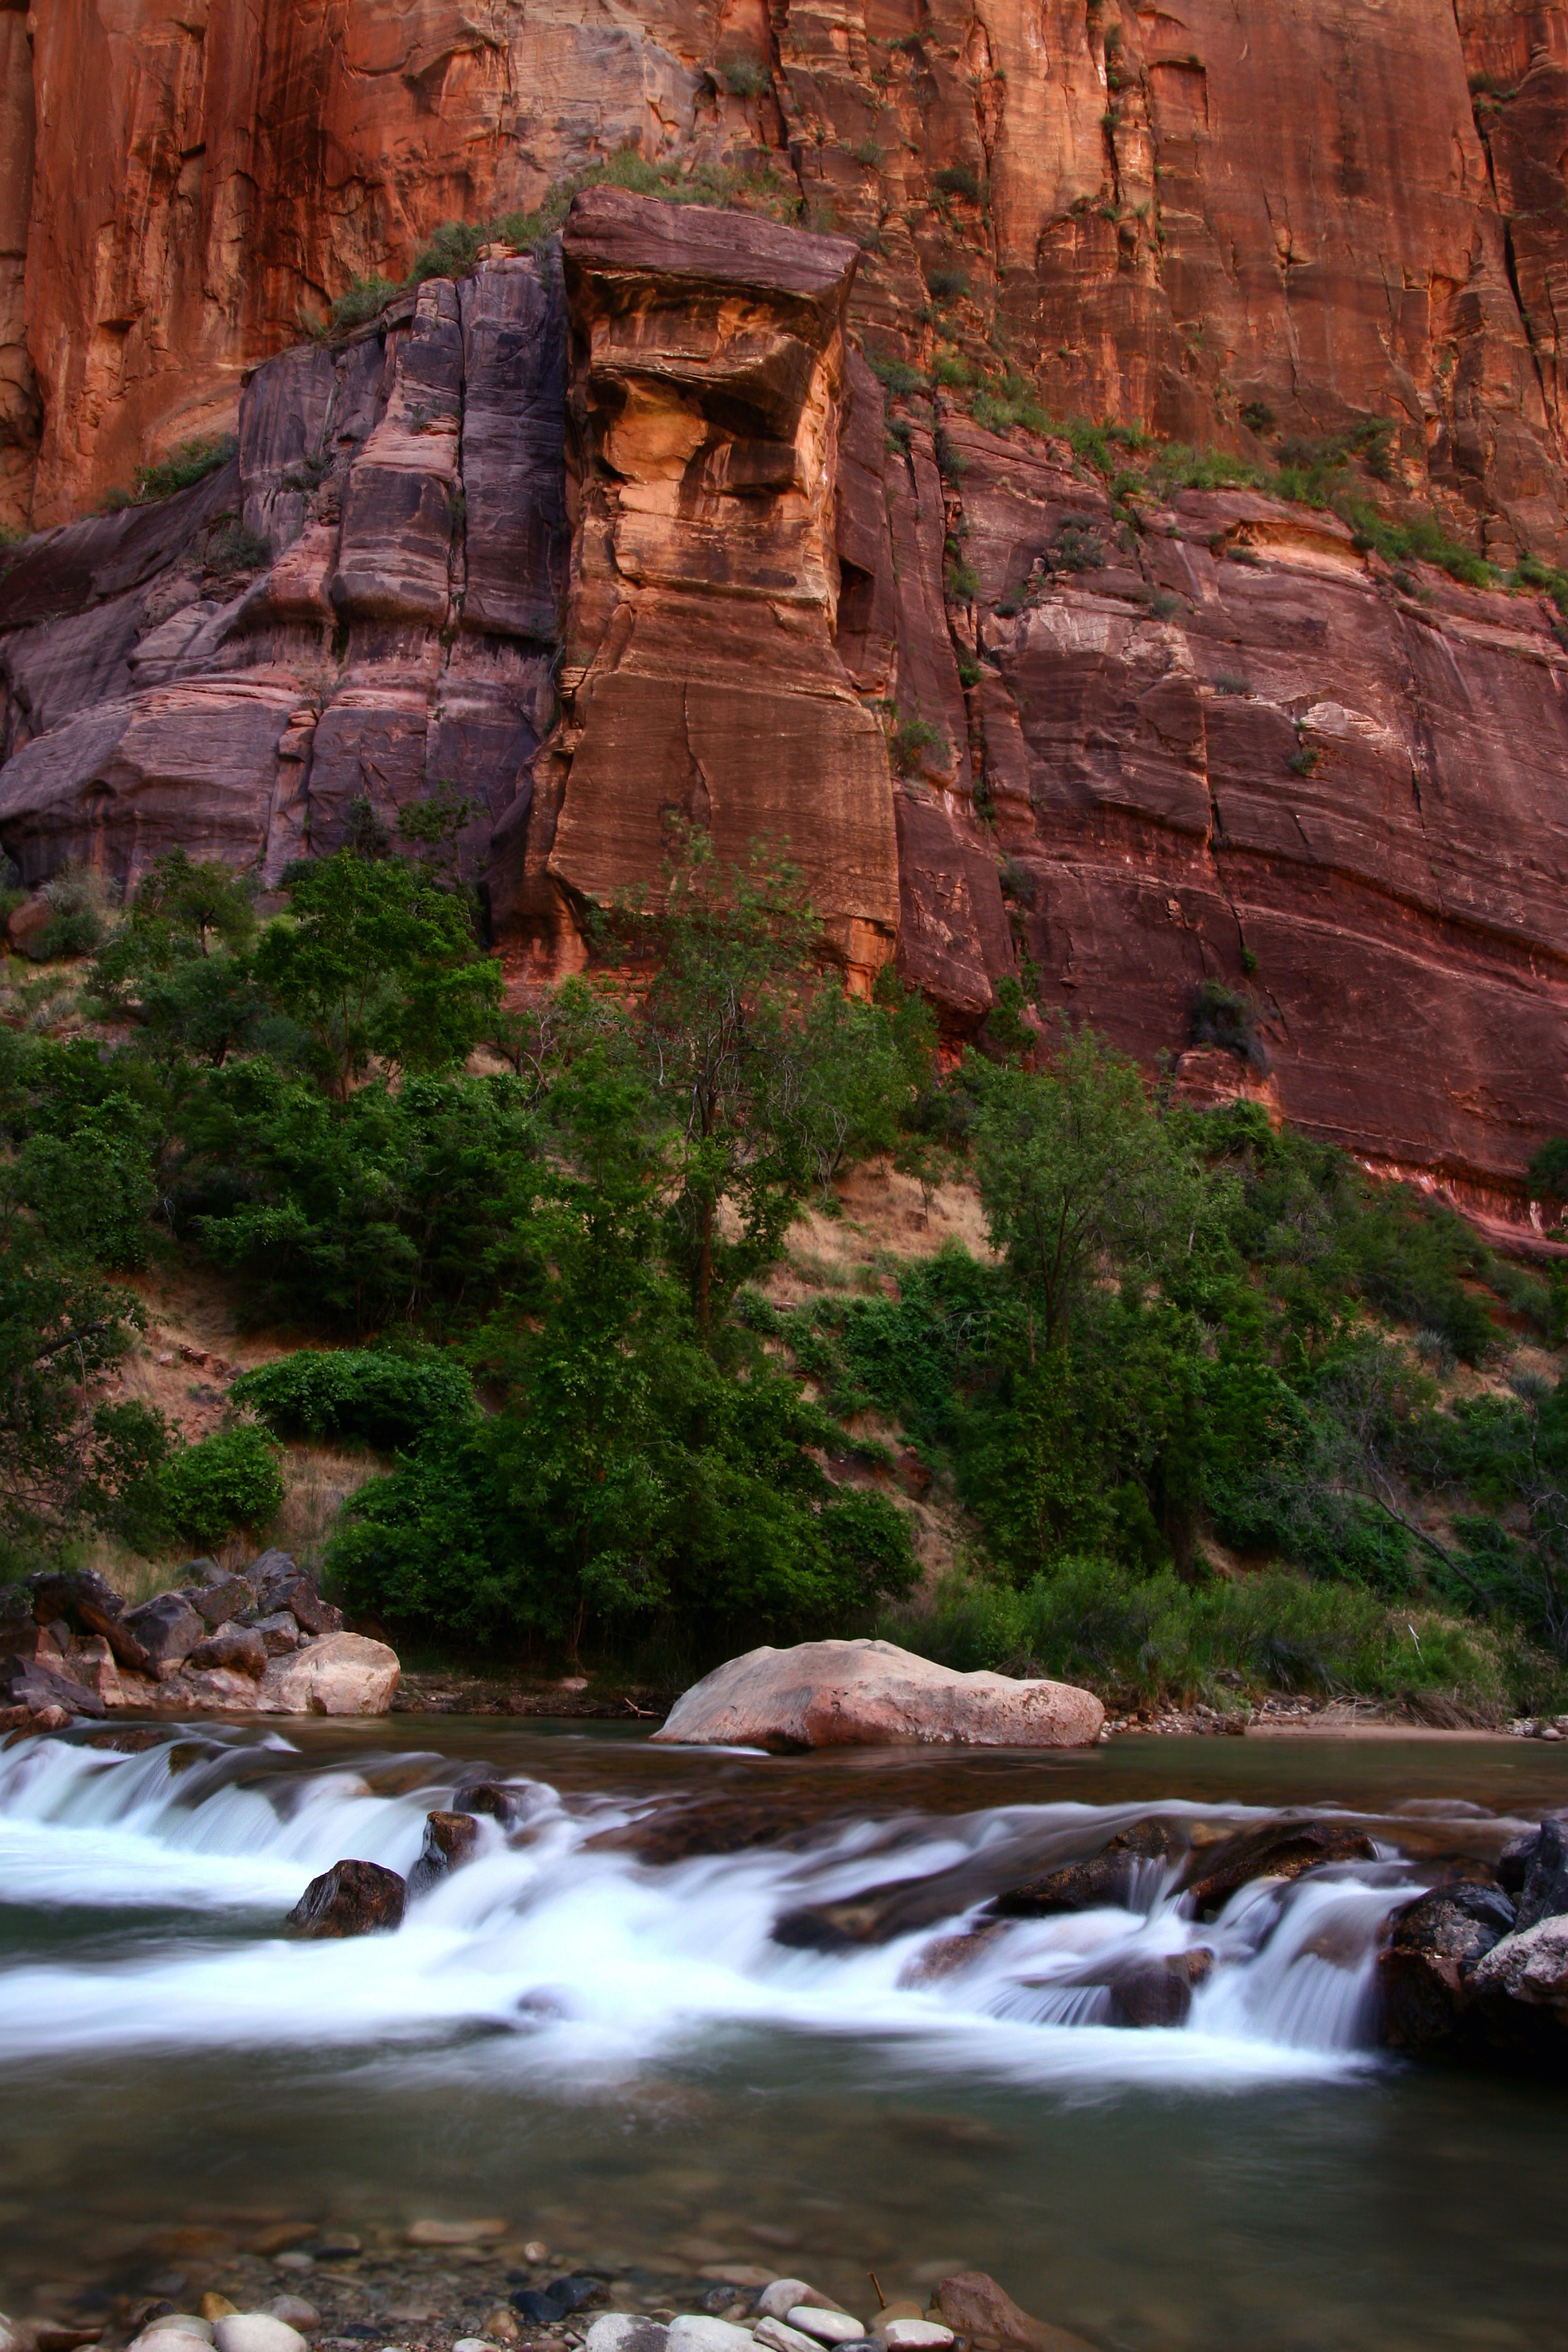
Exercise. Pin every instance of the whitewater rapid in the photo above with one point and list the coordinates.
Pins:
(575, 1964)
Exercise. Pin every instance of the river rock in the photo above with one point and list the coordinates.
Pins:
(256, 2331)
(45, 1690)
(1278, 1850)
(777, 2301)
(973, 2305)
(546, 2305)
(1544, 1895)
(449, 1841)
(492, 1797)
(695, 2332)
(434, 2233)
(1521, 1990)
(235, 1649)
(625, 2331)
(1105, 1880)
(168, 1628)
(1158, 1992)
(342, 1673)
(1435, 1944)
(825, 2327)
(294, 2311)
(352, 1898)
(867, 1694)
(780, 2337)
(916, 2336)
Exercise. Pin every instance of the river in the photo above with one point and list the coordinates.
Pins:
(609, 2046)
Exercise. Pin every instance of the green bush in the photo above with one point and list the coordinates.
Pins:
(192, 461)
(359, 1394)
(227, 1481)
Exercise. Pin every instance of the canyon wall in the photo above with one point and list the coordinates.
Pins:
(1187, 215)
(624, 532)
(622, 527)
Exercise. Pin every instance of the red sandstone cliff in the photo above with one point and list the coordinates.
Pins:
(623, 529)
(1173, 214)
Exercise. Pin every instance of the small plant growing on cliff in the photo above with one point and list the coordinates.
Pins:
(957, 179)
(910, 742)
(946, 285)
(366, 300)
(1223, 1017)
(227, 1481)
(745, 77)
(192, 462)
(1075, 547)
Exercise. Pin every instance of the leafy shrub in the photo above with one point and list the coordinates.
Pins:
(946, 285)
(1547, 1175)
(910, 742)
(192, 461)
(749, 78)
(1075, 547)
(359, 1394)
(227, 1481)
(957, 179)
(366, 300)
(1223, 1017)
(897, 377)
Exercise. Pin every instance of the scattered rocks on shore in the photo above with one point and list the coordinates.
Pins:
(263, 1643)
(867, 1694)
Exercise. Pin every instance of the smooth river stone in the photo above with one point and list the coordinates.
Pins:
(826, 2326)
(256, 2331)
(916, 2336)
(693, 2333)
(625, 2331)
(779, 2300)
(780, 2337)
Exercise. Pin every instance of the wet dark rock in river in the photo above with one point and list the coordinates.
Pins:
(1424, 1973)
(450, 1840)
(491, 1797)
(1106, 1878)
(1158, 1992)
(29, 1683)
(1278, 1850)
(877, 1914)
(1520, 1991)
(1544, 1893)
(352, 1898)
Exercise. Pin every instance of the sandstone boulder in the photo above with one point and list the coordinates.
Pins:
(341, 1674)
(352, 1898)
(1544, 1894)
(237, 1649)
(168, 1628)
(868, 1694)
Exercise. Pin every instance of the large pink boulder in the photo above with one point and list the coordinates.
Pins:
(874, 1694)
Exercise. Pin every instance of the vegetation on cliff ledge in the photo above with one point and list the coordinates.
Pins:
(1206, 1411)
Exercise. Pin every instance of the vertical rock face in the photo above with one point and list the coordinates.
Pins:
(700, 682)
(1330, 211)
(625, 533)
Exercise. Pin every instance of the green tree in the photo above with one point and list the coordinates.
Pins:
(1080, 1179)
(376, 964)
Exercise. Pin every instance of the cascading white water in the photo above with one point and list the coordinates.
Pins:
(585, 1963)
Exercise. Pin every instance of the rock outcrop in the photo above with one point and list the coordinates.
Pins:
(1468, 1973)
(265, 1644)
(873, 1694)
(352, 1898)
(625, 532)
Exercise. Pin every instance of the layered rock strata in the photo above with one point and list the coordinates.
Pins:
(1136, 751)
(1195, 220)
